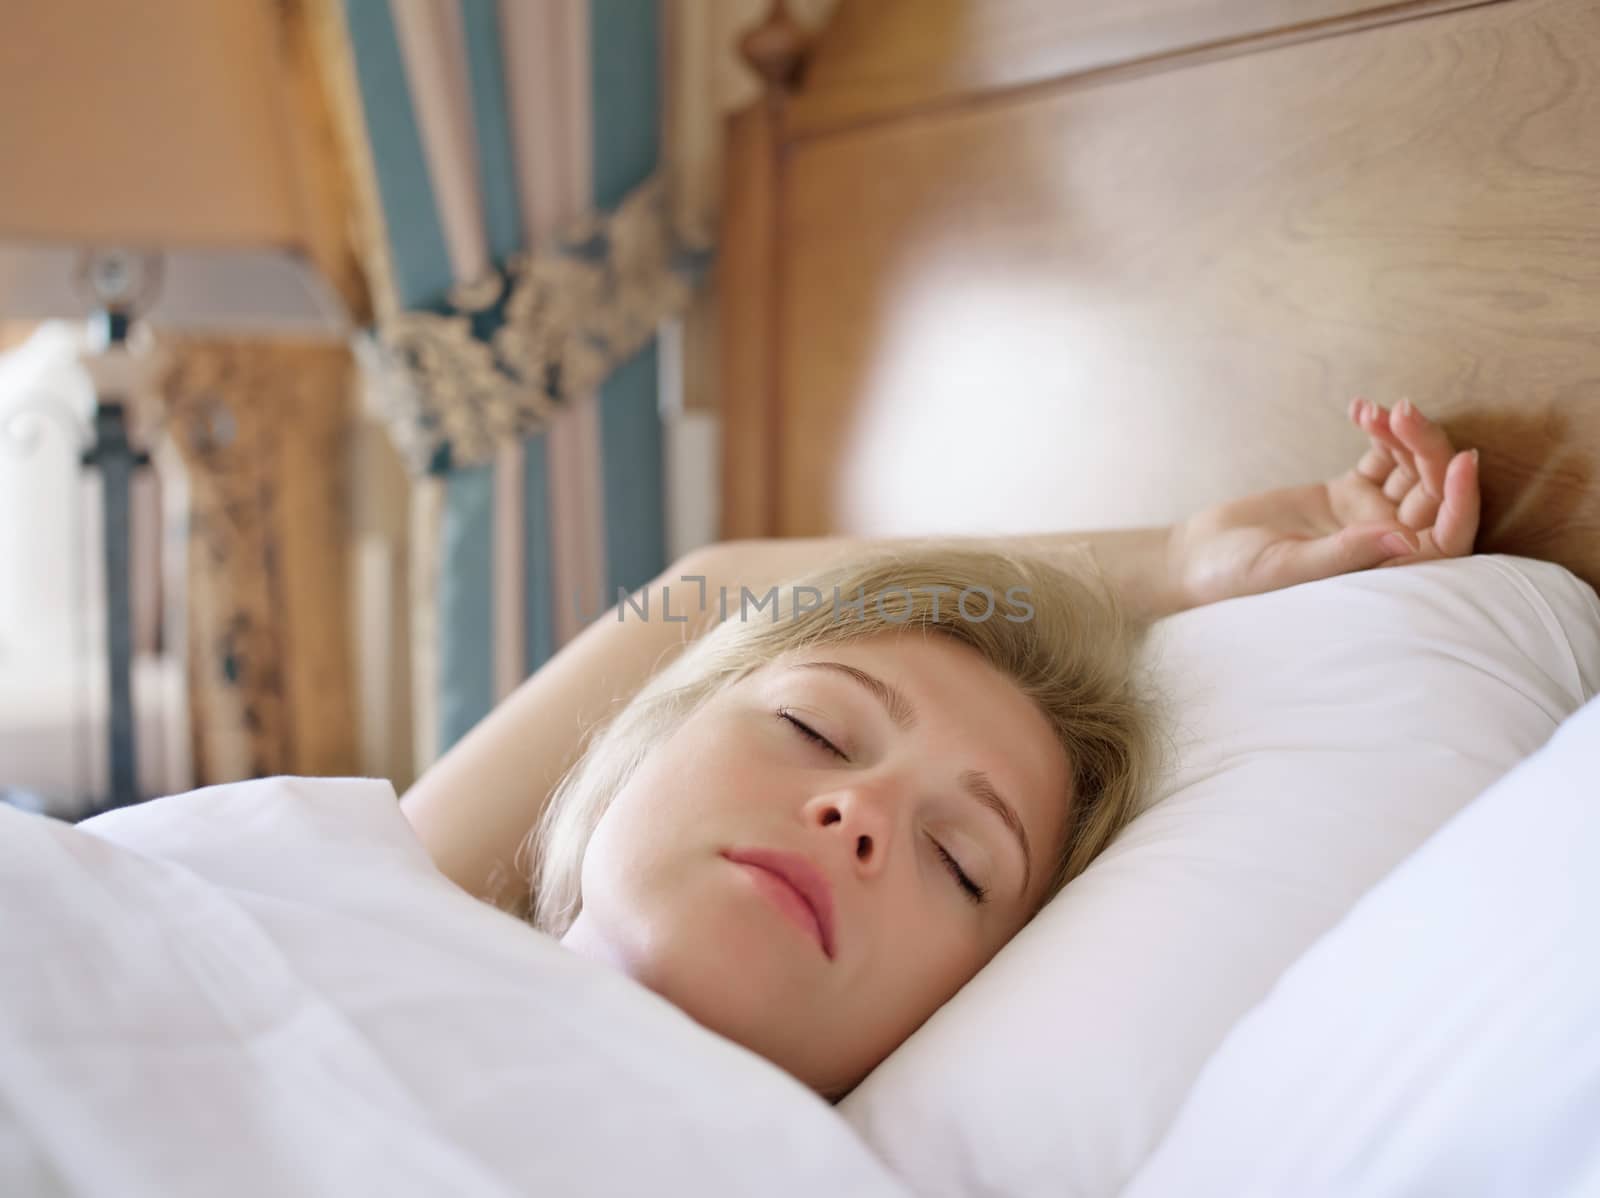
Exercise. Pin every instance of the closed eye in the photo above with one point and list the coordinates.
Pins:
(810, 733)
(976, 893)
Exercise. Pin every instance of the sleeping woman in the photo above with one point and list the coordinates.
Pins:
(808, 823)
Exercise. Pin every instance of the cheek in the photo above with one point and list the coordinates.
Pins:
(694, 779)
(689, 795)
(931, 954)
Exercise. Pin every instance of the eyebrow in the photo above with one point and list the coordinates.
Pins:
(975, 782)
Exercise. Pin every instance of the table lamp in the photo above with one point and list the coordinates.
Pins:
(157, 173)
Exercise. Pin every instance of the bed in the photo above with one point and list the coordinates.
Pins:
(1010, 266)
(1025, 265)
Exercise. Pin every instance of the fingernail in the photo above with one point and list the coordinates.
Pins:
(1403, 408)
(1396, 544)
(1474, 459)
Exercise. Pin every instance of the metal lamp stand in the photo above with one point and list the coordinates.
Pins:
(116, 459)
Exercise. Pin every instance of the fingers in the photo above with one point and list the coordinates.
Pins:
(1420, 452)
(1418, 509)
(1456, 528)
(1433, 487)
(1429, 445)
(1377, 463)
(1430, 456)
(1374, 421)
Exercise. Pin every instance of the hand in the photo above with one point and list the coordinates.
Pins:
(1411, 498)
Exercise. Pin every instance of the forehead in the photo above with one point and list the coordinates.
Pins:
(967, 712)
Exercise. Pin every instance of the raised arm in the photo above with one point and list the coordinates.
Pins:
(474, 807)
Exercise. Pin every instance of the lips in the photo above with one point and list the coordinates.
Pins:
(804, 878)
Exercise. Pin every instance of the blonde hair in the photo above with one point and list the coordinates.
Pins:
(1059, 635)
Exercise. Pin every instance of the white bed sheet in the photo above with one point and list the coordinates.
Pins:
(267, 988)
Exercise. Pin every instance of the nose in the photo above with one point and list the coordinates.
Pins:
(863, 814)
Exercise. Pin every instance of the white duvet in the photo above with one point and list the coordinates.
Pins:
(267, 989)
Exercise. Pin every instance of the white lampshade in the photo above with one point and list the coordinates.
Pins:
(237, 291)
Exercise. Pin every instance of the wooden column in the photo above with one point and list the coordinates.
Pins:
(261, 427)
(747, 282)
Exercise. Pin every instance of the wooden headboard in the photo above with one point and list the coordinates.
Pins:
(1013, 265)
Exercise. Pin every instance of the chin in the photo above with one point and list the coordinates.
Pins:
(760, 1011)
(734, 972)
(724, 982)
(715, 979)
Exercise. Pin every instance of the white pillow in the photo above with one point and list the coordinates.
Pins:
(1441, 1039)
(1323, 732)
(267, 988)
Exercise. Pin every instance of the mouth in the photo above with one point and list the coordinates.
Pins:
(797, 887)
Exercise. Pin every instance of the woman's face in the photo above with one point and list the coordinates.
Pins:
(929, 744)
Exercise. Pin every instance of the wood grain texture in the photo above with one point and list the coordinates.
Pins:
(747, 290)
(881, 58)
(1111, 301)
